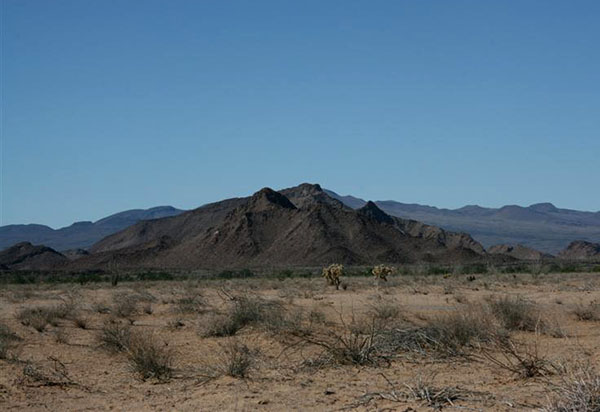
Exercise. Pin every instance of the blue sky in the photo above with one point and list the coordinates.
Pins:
(111, 105)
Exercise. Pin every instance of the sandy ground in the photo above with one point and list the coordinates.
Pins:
(78, 373)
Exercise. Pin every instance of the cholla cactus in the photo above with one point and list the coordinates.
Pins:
(383, 271)
(333, 273)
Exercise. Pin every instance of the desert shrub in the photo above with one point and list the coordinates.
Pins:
(424, 390)
(60, 336)
(149, 358)
(243, 311)
(114, 336)
(54, 375)
(190, 303)
(316, 317)
(450, 335)
(81, 322)
(587, 313)
(101, 308)
(516, 313)
(41, 316)
(219, 325)
(235, 359)
(523, 360)
(333, 273)
(8, 341)
(385, 310)
(349, 346)
(148, 309)
(382, 271)
(125, 305)
(578, 392)
(285, 322)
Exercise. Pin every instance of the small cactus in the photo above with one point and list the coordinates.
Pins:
(383, 271)
(333, 273)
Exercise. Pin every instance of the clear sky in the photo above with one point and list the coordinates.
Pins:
(112, 105)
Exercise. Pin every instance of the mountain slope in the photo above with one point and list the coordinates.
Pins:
(25, 256)
(518, 252)
(300, 226)
(540, 226)
(581, 250)
(80, 235)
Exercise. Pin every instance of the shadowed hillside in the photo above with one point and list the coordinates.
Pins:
(296, 226)
(541, 226)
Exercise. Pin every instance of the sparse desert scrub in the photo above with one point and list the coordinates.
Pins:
(590, 312)
(8, 342)
(242, 311)
(53, 374)
(191, 303)
(149, 358)
(577, 391)
(385, 310)
(453, 334)
(516, 313)
(523, 359)
(415, 337)
(346, 346)
(39, 317)
(125, 305)
(235, 359)
(115, 336)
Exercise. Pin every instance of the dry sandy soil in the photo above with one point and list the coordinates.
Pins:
(66, 366)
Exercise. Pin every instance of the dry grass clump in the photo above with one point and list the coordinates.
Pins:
(8, 341)
(191, 303)
(577, 392)
(235, 359)
(522, 359)
(453, 334)
(40, 317)
(333, 273)
(350, 346)
(125, 305)
(149, 358)
(516, 314)
(385, 310)
(590, 312)
(243, 311)
(38, 375)
(433, 396)
(115, 336)
(286, 322)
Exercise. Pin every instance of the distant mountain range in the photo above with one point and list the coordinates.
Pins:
(299, 226)
(541, 226)
(80, 235)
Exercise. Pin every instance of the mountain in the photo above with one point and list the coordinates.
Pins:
(80, 235)
(25, 256)
(581, 250)
(540, 226)
(299, 226)
(518, 252)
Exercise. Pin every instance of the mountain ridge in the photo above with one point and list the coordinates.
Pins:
(540, 226)
(82, 234)
(296, 226)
